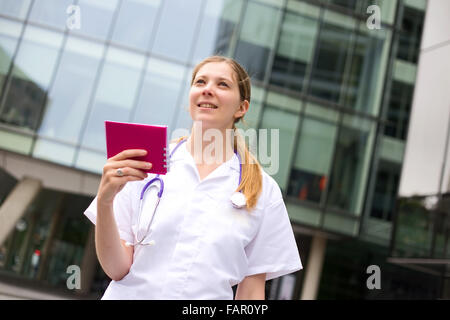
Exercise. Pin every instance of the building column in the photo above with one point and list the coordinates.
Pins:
(15, 205)
(88, 264)
(314, 268)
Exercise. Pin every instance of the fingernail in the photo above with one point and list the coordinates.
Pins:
(149, 165)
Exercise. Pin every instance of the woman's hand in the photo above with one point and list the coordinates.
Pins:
(111, 183)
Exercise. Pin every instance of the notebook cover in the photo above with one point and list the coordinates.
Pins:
(124, 135)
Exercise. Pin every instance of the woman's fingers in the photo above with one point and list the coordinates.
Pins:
(127, 172)
(131, 163)
(130, 153)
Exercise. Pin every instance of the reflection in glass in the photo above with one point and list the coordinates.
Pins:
(68, 241)
(351, 164)
(218, 28)
(286, 123)
(294, 51)
(15, 8)
(329, 70)
(115, 95)
(410, 35)
(258, 36)
(96, 17)
(9, 35)
(31, 75)
(177, 27)
(143, 13)
(28, 240)
(385, 194)
(367, 70)
(69, 96)
(399, 110)
(159, 95)
(312, 163)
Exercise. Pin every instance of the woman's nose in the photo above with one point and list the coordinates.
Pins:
(207, 91)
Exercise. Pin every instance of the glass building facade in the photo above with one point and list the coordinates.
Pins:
(338, 91)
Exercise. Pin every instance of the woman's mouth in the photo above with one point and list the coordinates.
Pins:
(207, 106)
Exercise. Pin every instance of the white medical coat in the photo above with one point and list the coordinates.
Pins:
(202, 245)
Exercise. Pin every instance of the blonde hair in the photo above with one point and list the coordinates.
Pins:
(251, 180)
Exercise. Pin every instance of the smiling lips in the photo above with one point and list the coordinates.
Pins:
(207, 105)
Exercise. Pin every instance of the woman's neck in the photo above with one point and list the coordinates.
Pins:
(210, 146)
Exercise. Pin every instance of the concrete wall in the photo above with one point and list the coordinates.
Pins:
(51, 175)
(429, 123)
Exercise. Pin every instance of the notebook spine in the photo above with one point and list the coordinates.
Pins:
(166, 159)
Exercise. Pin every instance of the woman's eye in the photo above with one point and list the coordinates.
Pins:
(223, 84)
(200, 81)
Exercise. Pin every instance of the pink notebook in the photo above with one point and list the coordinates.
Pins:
(124, 135)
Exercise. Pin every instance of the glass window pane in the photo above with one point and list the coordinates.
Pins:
(143, 14)
(258, 36)
(15, 142)
(96, 17)
(294, 52)
(251, 118)
(15, 8)
(90, 160)
(9, 37)
(310, 173)
(347, 4)
(69, 96)
(68, 241)
(385, 193)
(182, 122)
(115, 95)
(51, 12)
(367, 71)
(351, 164)
(286, 123)
(159, 95)
(399, 110)
(218, 28)
(31, 75)
(177, 27)
(411, 34)
(335, 41)
(54, 151)
(321, 112)
(283, 101)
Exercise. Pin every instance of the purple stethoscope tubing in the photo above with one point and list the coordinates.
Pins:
(161, 190)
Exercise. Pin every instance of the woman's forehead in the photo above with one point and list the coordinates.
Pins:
(217, 70)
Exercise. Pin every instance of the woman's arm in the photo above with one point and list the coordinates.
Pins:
(252, 288)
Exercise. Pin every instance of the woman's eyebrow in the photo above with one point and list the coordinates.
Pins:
(219, 78)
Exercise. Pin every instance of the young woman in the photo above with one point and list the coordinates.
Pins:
(220, 220)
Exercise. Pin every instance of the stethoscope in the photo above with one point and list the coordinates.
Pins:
(237, 199)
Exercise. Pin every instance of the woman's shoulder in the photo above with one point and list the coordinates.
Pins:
(271, 192)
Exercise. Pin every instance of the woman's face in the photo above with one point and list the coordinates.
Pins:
(214, 97)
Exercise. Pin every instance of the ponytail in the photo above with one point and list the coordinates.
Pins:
(251, 180)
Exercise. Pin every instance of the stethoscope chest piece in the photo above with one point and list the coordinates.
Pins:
(238, 200)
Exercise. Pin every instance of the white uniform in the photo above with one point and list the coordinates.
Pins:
(202, 246)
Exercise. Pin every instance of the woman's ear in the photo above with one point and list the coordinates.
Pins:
(243, 108)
